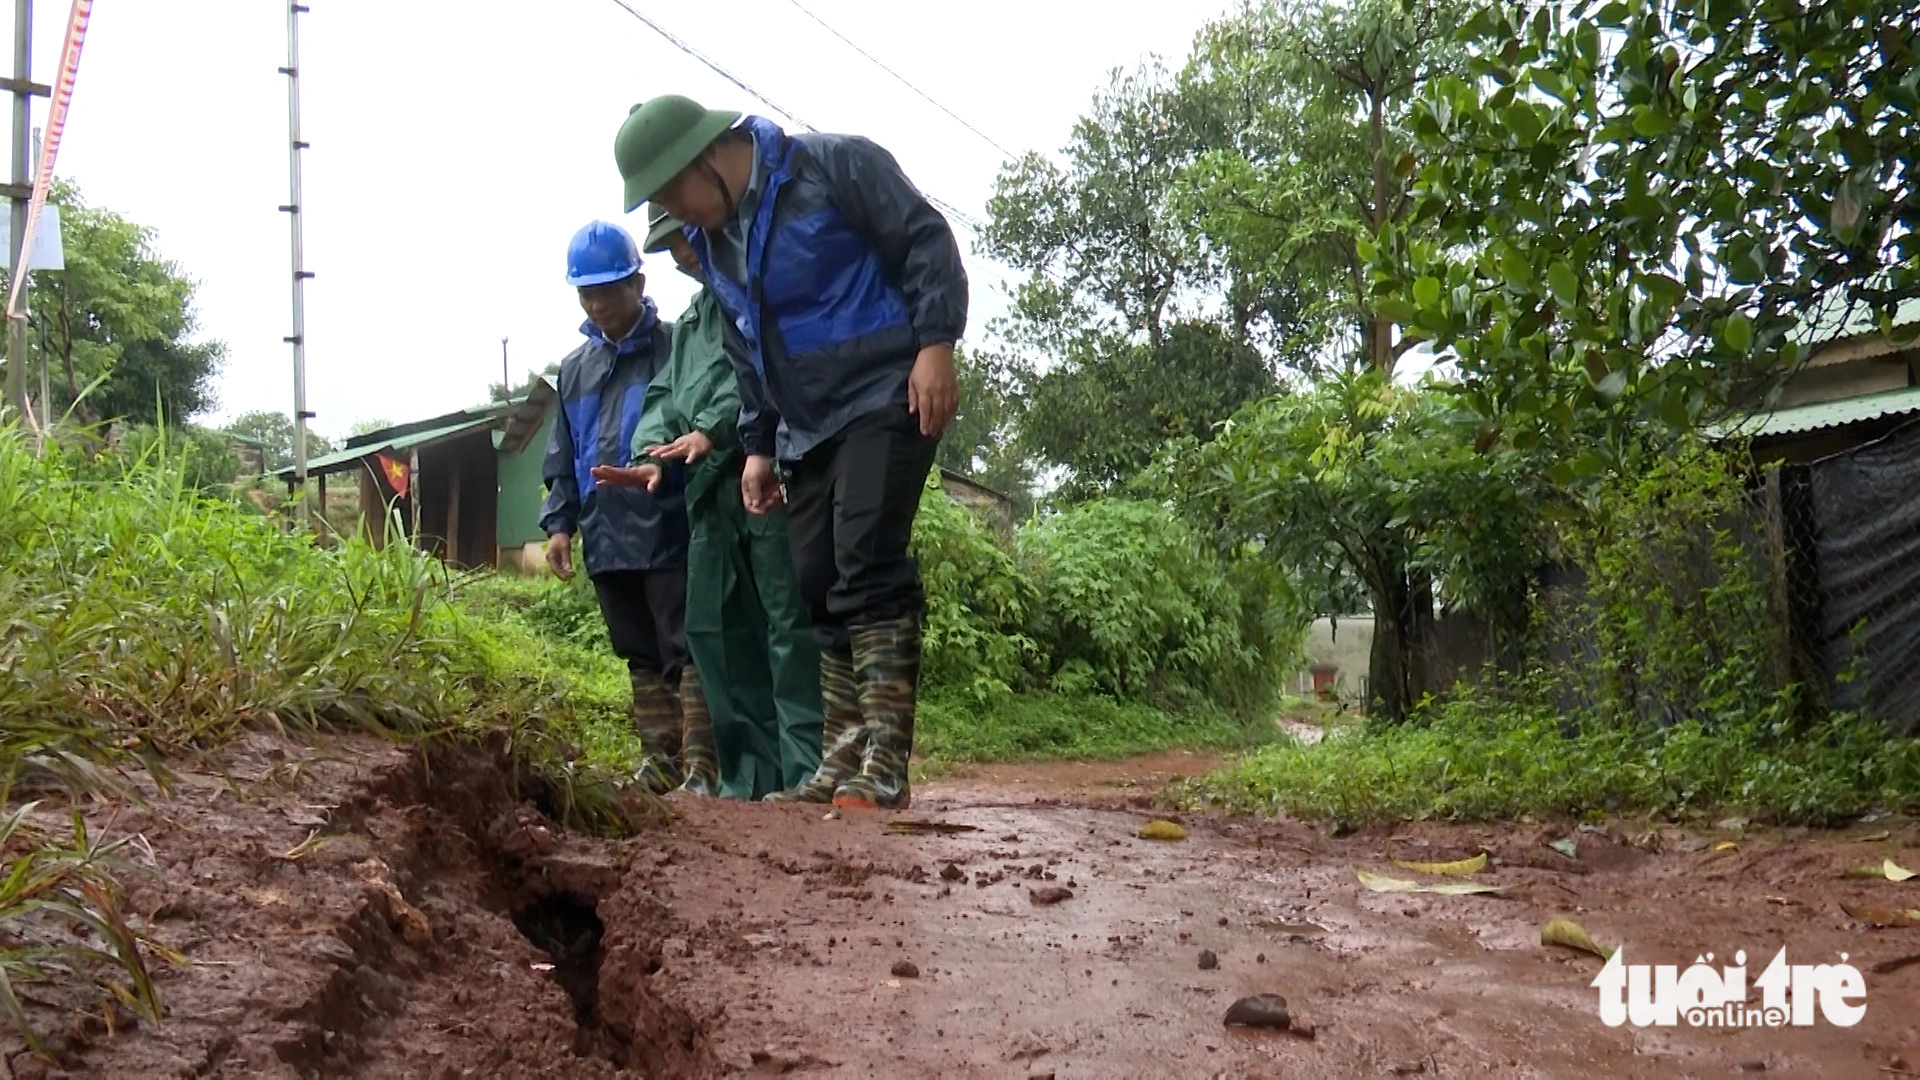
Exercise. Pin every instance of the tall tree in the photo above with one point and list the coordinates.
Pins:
(1321, 164)
(120, 315)
(1362, 480)
(1641, 207)
(274, 432)
(1113, 403)
(1119, 314)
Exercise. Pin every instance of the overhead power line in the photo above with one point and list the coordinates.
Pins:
(712, 65)
(902, 79)
(966, 220)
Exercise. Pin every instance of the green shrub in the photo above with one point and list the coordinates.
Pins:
(204, 459)
(1135, 608)
(979, 604)
(1670, 705)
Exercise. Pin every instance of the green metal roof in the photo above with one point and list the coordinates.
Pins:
(1824, 414)
(346, 458)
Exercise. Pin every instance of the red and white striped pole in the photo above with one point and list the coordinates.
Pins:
(50, 148)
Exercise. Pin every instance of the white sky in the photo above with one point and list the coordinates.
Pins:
(457, 146)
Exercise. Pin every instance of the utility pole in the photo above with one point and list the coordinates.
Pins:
(300, 273)
(20, 192)
(506, 381)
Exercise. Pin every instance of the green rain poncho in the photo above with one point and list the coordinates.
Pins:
(746, 625)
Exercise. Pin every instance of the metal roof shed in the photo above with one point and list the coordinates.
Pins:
(477, 476)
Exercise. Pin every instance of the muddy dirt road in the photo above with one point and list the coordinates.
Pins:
(449, 931)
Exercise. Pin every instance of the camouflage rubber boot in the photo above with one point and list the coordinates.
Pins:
(842, 730)
(657, 720)
(697, 758)
(887, 664)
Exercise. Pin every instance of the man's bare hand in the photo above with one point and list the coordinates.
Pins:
(560, 555)
(646, 476)
(933, 394)
(689, 448)
(759, 487)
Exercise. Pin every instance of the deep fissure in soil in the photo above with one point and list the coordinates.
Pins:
(567, 927)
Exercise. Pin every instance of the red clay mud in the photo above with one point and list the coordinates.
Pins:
(764, 940)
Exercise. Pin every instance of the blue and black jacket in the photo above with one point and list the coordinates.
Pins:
(850, 273)
(602, 386)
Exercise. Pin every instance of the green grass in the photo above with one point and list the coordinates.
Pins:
(1475, 760)
(953, 727)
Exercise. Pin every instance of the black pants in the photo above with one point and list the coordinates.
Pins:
(646, 614)
(851, 502)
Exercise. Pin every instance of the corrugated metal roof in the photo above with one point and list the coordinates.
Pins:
(1838, 319)
(336, 461)
(1824, 414)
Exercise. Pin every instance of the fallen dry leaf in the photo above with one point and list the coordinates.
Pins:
(1377, 883)
(1571, 935)
(1457, 868)
(1889, 870)
(1162, 830)
(1872, 838)
(1884, 917)
(1725, 845)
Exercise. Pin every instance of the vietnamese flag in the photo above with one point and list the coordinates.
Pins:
(396, 474)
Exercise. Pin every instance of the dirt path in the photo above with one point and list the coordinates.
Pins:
(763, 940)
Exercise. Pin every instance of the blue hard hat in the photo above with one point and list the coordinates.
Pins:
(599, 253)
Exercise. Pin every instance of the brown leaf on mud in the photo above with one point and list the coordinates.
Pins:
(924, 827)
(1571, 935)
(1456, 868)
(1892, 918)
(1378, 883)
(950, 872)
(1052, 894)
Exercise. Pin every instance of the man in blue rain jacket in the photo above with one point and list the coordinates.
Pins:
(634, 542)
(847, 290)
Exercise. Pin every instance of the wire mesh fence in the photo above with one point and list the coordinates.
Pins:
(1848, 577)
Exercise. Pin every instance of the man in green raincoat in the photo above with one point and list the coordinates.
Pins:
(747, 627)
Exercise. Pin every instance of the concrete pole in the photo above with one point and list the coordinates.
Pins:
(300, 274)
(22, 192)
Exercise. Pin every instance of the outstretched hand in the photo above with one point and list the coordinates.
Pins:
(689, 448)
(646, 476)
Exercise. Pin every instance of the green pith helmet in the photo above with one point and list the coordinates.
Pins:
(660, 225)
(661, 137)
